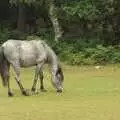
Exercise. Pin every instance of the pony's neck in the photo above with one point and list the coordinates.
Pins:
(53, 61)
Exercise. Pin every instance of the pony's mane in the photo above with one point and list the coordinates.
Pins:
(59, 71)
(51, 56)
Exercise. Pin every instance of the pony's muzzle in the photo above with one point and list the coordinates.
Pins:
(60, 90)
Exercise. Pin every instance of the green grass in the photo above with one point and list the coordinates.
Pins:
(89, 94)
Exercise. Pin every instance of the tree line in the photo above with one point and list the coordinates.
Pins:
(70, 18)
(79, 23)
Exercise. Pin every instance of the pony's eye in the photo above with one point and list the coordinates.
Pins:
(58, 75)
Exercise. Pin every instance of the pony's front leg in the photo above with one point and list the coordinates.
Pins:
(41, 81)
(38, 72)
(17, 78)
(35, 79)
(7, 77)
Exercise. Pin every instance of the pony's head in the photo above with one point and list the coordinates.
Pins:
(58, 79)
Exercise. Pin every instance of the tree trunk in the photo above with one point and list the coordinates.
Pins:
(21, 18)
(54, 19)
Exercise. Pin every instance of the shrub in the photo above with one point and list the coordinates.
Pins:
(87, 55)
(76, 52)
(4, 35)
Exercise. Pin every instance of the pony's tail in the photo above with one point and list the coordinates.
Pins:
(4, 68)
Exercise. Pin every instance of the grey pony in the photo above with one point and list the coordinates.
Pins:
(21, 53)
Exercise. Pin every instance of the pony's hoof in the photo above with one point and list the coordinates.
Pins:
(10, 94)
(33, 89)
(25, 93)
(43, 90)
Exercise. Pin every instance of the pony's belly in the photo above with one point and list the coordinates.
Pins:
(28, 61)
(26, 64)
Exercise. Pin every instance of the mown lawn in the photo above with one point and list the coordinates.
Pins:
(90, 94)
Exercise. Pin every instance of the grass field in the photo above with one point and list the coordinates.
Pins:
(89, 94)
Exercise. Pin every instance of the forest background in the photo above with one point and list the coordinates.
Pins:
(82, 32)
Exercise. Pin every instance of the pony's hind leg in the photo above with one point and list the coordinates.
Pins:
(17, 78)
(10, 93)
